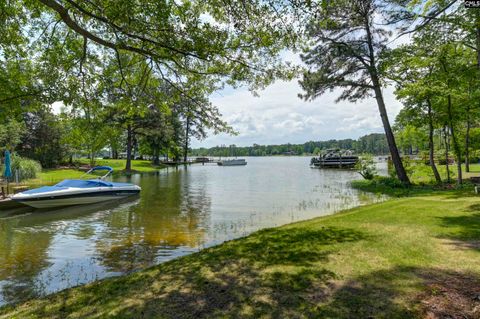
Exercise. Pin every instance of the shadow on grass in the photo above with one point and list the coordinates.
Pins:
(386, 294)
(276, 273)
(464, 230)
(306, 293)
(287, 246)
(266, 273)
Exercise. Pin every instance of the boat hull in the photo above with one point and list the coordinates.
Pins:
(335, 162)
(75, 198)
(236, 162)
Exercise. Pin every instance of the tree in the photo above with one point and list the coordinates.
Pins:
(156, 133)
(462, 26)
(345, 51)
(366, 167)
(43, 138)
(199, 116)
(11, 133)
(410, 67)
(227, 42)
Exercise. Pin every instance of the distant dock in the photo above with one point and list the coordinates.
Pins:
(198, 160)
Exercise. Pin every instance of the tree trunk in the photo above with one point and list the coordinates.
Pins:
(431, 145)
(396, 159)
(467, 144)
(114, 153)
(392, 145)
(92, 157)
(187, 133)
(128, 165)
(445, 136)
(156, 156)
(456, 146)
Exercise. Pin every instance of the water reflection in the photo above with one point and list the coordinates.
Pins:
(173, 215)
(179, 211)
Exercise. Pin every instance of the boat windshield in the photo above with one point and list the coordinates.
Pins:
(83, 183)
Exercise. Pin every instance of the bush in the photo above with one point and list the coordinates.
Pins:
(408, 165)
(27, 168)
(366, 167)
(383, 185)
(392, 182)
(474, 159)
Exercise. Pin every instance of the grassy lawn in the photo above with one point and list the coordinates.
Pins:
(52, 176)
(413, 257)
(119, 164)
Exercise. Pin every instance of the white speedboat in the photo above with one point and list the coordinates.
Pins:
(232, 162)
(77, 192)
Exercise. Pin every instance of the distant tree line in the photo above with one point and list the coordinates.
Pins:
(375, 144)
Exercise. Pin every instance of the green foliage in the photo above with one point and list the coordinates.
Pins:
(375, 144)
(390, 186)
(11, 133)
(43, 140)
(26, 168)
(366, 167)
(348, 42)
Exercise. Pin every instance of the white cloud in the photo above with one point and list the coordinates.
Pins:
(278, 116)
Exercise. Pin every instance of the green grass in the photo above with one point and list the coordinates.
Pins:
(423, 173)
(52, 176)
(394, 188)
(405, 258)
(119, 164)
(422, 179)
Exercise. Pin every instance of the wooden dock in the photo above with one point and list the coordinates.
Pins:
(199, 160)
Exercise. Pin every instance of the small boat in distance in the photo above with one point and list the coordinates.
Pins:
(335, 158)
(232, 162)
(77, 191)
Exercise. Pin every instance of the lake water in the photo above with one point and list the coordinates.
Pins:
(178, 212)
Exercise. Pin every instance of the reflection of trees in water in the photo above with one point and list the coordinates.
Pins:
(24, 245)
(173, 212)
(23, 255)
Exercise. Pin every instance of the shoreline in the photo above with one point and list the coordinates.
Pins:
(297, 256)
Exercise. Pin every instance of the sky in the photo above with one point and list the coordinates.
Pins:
(279, 116)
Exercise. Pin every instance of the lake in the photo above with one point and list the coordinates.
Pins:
(179, 211)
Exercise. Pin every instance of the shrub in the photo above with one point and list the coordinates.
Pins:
(392, 182)
(27, 168)
(366, 167)
(408, 165)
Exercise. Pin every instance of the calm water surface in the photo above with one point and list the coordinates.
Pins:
(178, 212)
